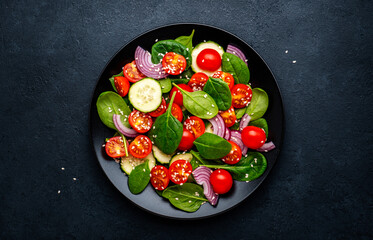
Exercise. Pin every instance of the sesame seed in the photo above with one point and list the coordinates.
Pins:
(63, 169)
(59, 191)
(74, 179)
(286, 51)
(294, 61)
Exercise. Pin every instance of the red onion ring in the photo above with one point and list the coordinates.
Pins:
(227, 134)
(244, 121)
(202, 177)
(218, 125)
(266, 147)
(128, 132)
(236, 51)
(237, 138)
(145, 65)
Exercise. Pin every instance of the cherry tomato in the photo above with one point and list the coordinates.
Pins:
(159, 177)
(114, 147)
(160, 110)
(180, 171)
(234, 156)
(229, 117)
(122, 85)
(179, 96)
(253, 137)
(209, 59)
(174, 63)
(195, 125)
(221, 181)
(186, 140)
(176, 112)
(198, 81)
(141, 146)
(141, 122)
(131, 72)
(241, 95)
(226, 77)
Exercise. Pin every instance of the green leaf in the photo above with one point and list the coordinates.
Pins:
(240, 112)
(139, 178)
(258, 105)
(179, 80)
(188, 197)
(199, 161)
(235, 66)
(165, 85)
(110, 103)
(219, 91)
(211, 146)
(186, 75)
(112, 80)
(247, 169)
(160, 48)
(199, 103)
(167, 131)
(187, 41)
(261, 123)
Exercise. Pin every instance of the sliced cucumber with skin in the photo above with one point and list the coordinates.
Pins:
(161, 156)
(182, 156)
(197, 49)
(127, 164)
(145, 95)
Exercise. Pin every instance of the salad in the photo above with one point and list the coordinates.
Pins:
(186, 121)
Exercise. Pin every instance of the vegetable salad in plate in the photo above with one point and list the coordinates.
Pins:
(187, 121)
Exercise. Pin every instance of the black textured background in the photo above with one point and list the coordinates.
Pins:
(53, 52)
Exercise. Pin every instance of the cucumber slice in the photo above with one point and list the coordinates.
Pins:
(183, 156)
(145, 95)
(161, 156)
(197, 49)
(208, 128)
(127, 164)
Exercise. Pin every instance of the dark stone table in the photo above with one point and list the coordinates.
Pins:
(52, 53)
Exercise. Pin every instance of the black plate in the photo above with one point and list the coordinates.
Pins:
(261, 76)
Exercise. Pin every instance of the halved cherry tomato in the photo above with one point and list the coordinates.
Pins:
(234, 156)
(160, 110)
(180, 171)
(159, 177)
(141, 146)
(131, 72)
(114, 147)
(221, 181)
(187, 140)
(195, 125)
(122, 85)
(209, 59)
(229, 117)
(176, 112)
(226, 77)
(141, 122)
(241, 95)
(198, 81)
(253, 137)
(179, 96)
(174, 63)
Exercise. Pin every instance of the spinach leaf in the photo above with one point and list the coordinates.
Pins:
(187, 41)
(167, 131)
(110, 103)
(219, 91)
(261, 123)
(179, 80)
(211, 146)
(112, 80)
(235, 66)
(139, 178)
(186, 75)
(165, 85)
(199, 161)
(236, 126)
(240, 112)
(188, 197)
(258, 105)
(247, 169)
(199, 103)
(160, 48)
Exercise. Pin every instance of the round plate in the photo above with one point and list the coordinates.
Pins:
(261, 76)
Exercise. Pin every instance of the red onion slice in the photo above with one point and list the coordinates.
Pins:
(202, 177)
(145, 65)
(128, 132)
(237, 138)
(218, 125)
(236, 51)
(266, 147)
(244, 121)
(227, 134)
